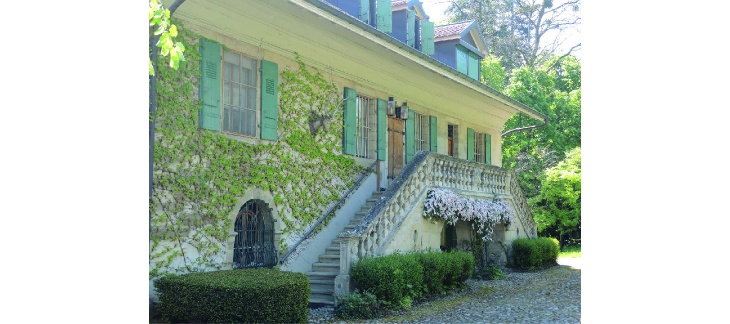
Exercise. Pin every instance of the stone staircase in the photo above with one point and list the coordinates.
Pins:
(324, 271)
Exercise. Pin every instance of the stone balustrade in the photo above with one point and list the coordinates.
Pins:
(426, 170)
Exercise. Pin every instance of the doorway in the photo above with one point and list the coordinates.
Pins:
(396, 145)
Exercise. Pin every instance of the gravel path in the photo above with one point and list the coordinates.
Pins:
(547, 296)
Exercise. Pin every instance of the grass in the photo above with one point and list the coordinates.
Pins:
(570, 251)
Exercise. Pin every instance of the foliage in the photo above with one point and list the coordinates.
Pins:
(491, 272)
(159, 18)
(235, 296)
(482, 214)
(356, 305)
(493, 73)
(556, 208)
(556, 93)
(390, 278)
(570, 251)
(397, 280)
(199, 174)
(534, 253)
(517, 30)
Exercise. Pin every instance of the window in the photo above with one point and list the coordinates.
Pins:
(239, 94)
(245, 104)
(479, 147)
(422, 132)
(365, 143)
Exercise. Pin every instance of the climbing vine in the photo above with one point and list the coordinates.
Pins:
(482, 214)
(199, 175)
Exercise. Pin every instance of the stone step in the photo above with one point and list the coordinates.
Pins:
(323, 291)
(323, 275)
(322, 299)
(326, 267)
(330, 258)
(321, 286)
(332, 250)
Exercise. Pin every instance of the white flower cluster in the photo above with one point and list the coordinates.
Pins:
(482, 214)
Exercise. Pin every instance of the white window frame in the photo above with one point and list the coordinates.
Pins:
(365, 135)
(422, 132)
(246, 90)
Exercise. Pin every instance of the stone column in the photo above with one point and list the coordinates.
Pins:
(348, 256)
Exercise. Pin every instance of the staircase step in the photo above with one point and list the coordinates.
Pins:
(330, 257)
(322, 299)
(332, 250)
(326, 267)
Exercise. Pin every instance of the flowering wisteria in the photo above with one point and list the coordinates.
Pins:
(482, 214)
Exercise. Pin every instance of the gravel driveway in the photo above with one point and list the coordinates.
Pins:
(546, 296)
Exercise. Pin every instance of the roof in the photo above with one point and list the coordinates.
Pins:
(454, 29)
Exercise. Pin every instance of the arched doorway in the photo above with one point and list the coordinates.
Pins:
(254, 244)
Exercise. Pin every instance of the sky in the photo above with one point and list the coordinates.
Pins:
(435, 10)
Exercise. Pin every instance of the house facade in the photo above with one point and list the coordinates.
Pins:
(306, 134)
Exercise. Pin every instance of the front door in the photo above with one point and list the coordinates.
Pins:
(396, 158)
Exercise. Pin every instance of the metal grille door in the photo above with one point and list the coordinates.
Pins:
(254, 245)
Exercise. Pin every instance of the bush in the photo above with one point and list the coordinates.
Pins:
(397, 280)
(357, 305)
(391, 278)
(530, 254)
(234, 296)
(491, 272)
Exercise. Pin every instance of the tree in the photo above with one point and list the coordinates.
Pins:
(554, 90)
(493, 73)
(556, 208)
(518, 30)
(165, 32)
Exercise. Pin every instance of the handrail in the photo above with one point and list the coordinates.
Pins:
(330, 211)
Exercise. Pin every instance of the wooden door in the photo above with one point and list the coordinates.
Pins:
(396, 158)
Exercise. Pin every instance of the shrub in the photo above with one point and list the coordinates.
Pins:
(390, 278)
(397, 280)
(358, 305)
(234, 296)
(530, 254)
(491, 272)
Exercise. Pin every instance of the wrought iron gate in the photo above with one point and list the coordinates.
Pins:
(254, 245)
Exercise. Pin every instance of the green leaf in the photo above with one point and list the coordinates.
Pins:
(173, 31)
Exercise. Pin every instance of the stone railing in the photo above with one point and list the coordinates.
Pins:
(427, 170)
(521, 209)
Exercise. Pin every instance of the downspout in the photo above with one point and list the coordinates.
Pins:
(525, 128)
(153, 106)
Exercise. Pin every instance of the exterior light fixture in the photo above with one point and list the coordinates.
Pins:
(402, 111)
(391, 106)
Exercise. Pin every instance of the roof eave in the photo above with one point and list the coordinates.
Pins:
(443, 68)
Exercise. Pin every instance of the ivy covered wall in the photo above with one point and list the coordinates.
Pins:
(200, 175)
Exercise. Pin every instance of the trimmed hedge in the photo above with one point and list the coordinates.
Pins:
(234, 296)
(398, 279)
(530, 254)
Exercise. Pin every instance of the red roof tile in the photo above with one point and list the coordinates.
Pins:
(451, 29)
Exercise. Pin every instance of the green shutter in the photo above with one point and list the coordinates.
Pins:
(473, 66)
(365, 11)
(433, 130)
(382, 128)
(385, 16)
(350, 121)
(411, 28)
(427, 34)
(210, 85)
(269, 100)
(461, 59)
(410, 135)
(488, 149)
(470, 144)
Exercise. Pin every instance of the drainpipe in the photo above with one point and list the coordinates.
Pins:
(153, 105)
(525, 128)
